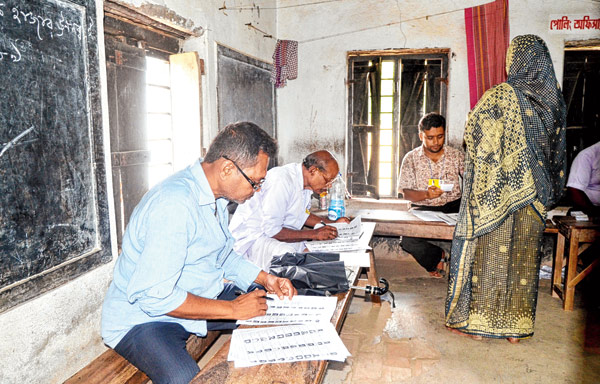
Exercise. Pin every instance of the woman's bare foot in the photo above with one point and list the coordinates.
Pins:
(458, 332)
(513, 340)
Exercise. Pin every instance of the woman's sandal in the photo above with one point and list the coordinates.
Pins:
(513, 340)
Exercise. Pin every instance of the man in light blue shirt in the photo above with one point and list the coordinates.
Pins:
(177, 250)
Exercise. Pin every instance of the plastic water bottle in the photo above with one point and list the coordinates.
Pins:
(337, 193)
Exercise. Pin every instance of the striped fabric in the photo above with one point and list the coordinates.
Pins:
(487, 40)
(285, 62)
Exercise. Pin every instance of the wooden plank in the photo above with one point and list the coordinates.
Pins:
(373, 279)
(112, 368)
(557, 266)
(569, 291)
(583, 273)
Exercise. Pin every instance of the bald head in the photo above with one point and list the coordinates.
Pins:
(319, 170)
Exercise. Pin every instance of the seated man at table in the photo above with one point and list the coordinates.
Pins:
(429, 178)
(271, 223)
(177, 250)
(583, 186)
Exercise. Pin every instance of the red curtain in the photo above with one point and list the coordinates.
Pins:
(487, 40)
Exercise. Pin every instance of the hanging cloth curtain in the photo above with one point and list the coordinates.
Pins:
(487, 41)
(285, 62)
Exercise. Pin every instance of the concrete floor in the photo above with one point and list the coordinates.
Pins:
(409, 344)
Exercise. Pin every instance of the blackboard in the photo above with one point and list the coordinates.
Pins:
(54, 222)
(244, 90)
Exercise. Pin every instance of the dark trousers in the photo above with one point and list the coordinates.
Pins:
(426, 254)
(158, 348)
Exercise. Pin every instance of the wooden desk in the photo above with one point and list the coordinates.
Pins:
(403, 223)
(575, 232)
(220, 371)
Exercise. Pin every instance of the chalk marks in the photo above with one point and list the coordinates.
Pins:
(14, 55)
(15, 140)
(55, 27)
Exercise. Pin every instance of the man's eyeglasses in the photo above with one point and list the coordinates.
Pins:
(328, 183)
(255, 185)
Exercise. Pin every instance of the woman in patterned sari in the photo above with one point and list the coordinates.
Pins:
(514, 171)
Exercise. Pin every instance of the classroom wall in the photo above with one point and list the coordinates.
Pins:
(312, 110)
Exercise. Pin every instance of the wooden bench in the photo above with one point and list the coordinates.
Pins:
(112, 368)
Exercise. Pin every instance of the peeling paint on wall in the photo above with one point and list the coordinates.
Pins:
(309, 145)
(167, 15)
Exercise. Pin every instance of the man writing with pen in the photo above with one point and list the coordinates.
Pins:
(177, 251)
(271, 222)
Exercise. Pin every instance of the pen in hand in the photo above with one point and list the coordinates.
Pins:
(239, 293)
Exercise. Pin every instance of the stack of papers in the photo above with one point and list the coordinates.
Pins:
(311, 337)
(558, 211)
(579, 216)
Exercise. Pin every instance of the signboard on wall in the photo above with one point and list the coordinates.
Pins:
(574, 23)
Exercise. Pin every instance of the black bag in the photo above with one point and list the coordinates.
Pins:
(312, 274)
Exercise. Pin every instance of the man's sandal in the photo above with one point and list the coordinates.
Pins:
(435, 274)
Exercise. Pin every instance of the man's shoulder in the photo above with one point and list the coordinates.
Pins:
(587, 155)
(455, 152)
(593, 151)
(287, 173)
(414, 152)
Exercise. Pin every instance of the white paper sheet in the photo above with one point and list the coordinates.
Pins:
(448, 218)
(344, 244)
(351, 230)
(300, 310)
(426, 215)
(286, 344)
(355, 259)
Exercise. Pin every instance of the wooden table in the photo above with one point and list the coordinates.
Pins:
(220, 371)
(575, 233)
(403, 223)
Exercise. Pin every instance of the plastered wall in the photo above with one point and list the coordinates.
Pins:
(312, 110)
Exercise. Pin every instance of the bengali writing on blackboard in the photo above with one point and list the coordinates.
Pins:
(53, 201)
(44, 27)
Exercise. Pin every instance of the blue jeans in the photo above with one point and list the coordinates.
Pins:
(158, 348)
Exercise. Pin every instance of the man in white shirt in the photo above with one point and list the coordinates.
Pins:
(271, 222)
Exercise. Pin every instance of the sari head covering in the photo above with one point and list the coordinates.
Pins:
(531, 74)
(516, 144)
(514, 170)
